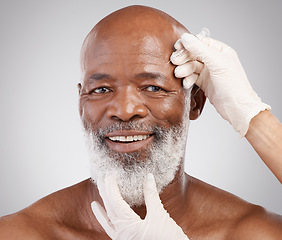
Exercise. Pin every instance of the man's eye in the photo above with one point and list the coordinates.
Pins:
(100, 90)
(154, 89)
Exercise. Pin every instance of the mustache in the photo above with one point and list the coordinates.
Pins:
(120, 126)
(158, 131)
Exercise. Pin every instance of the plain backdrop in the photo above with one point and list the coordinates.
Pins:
(42, 147)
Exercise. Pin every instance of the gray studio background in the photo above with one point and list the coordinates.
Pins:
(42, 146)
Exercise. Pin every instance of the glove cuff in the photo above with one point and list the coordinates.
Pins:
(244, 127)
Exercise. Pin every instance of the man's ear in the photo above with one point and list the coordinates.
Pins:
(79, 86)
(198, 100)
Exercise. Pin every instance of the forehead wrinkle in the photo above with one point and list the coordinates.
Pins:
(104, 57)
(150, 75)
(142, 75)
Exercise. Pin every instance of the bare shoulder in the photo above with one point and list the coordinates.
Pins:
(230, 217)
(55, 216)
(18, 226)
(259, 224)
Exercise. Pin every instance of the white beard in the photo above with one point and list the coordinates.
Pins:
(163, 159)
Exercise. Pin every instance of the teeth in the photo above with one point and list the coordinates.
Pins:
(129, 138)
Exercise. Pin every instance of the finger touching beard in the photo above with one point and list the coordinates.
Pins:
(162, 158)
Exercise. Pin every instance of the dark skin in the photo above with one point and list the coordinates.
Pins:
(127, 77)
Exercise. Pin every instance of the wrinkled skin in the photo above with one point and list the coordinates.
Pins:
(122, 58)
(126, 77)
(130, 61)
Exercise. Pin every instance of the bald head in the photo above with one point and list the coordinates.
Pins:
(134, 26)
(130, 49)
(139, 20)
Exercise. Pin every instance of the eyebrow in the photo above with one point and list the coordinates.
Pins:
(150, 75)
(100, 76)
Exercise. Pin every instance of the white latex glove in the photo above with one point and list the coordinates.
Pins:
(216, 69)
(122, 223)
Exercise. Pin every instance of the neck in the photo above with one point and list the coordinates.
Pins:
(172, 196)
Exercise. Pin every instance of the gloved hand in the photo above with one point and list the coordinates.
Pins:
(216, 69)
(122, 223)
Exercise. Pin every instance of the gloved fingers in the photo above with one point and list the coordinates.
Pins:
(189, 81)
(188, 68)
(180, 57)
(178, 46)
(215, 44)
(103, 191)
(199, 67)
(204, 80)
(198, 49)
(207, 50)
(115, 205)
(103, 194)
(103, 219)
(151, 195)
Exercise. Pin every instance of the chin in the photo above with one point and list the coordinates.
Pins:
(162, 158)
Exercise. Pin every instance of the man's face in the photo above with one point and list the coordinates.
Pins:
(125, 83)
(132, 106)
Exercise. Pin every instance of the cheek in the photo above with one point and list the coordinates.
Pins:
(170, 110)
(91, 113)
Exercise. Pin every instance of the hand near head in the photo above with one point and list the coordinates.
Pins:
(216, 69)
(122, 223)
(221, 76)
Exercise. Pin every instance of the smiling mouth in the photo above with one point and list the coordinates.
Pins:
(128, 139)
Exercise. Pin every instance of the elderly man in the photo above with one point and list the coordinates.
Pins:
(135, 109)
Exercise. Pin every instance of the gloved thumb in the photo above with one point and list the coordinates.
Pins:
(103, 219)
(151, 195)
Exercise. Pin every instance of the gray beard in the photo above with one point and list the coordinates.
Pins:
(162, 158)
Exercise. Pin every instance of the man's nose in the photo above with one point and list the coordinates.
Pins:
(126, 105)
